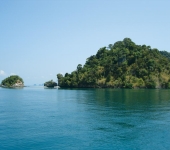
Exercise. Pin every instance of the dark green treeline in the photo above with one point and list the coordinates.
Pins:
(122, 65)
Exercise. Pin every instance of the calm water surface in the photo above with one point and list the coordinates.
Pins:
(37, 118)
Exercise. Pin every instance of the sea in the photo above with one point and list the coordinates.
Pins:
(35, 118)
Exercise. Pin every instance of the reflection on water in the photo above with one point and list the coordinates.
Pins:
(135, 117)
(130, 97)
(36, 118)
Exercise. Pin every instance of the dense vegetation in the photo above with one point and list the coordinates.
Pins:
(12, 80)
(50, 84)
(166, 54)
(121, 65)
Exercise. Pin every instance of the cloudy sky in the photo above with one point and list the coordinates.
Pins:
(40, 38)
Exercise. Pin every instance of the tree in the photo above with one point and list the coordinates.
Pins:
(79, 67)
(60, 77)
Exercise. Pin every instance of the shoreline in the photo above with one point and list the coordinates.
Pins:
(108, 87)
(12, 87)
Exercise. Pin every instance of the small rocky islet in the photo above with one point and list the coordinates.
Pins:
(50, 84)
(13, 81)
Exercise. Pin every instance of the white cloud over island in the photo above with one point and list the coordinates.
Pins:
(2, 72)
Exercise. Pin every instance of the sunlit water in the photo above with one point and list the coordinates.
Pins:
(37, 118)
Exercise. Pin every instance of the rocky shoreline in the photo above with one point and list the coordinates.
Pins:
(3, 86)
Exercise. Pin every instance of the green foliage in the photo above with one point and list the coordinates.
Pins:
(151, 84)
(50, 83)
(168, 85)
(59, 76)
(121, 65)
(10, 81)
(165, 53)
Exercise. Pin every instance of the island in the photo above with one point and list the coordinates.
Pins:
(123, 64)
(50, 84)
(14, 81)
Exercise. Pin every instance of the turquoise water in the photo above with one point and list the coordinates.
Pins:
(38, 118)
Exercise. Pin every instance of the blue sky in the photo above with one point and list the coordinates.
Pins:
(40, 38)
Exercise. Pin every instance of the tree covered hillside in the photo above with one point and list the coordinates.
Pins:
(121, 65)
(12, 81)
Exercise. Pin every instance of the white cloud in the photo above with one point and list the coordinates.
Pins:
(2, 72)
(13, 74)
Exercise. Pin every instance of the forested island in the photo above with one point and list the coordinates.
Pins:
(13, 81)
(121, 65)
(50, 84)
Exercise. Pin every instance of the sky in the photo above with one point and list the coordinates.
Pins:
(41, 38)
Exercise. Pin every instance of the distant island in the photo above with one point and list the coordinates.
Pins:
(50, 84)
(13, 81)
(121, 65)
